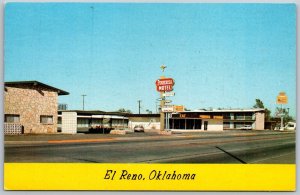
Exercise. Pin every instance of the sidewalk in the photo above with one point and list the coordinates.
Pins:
(87, 138)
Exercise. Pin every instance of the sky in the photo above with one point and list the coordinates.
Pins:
(220, 55)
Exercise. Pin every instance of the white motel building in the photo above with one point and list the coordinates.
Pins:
(74, 121)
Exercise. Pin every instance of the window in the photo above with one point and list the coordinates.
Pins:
(46, 119)
(226, 125)
(226, 116)
(83, 122)
(12, 118)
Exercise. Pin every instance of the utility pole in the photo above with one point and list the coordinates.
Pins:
(139, 101)
(83, 101)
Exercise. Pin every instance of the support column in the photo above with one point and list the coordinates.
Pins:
(162, 114)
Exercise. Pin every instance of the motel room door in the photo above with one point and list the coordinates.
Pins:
(205, 125)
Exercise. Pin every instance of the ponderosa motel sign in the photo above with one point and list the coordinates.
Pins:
(165, 84)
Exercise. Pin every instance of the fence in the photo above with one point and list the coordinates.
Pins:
(13, 129)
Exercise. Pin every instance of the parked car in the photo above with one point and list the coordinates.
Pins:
(291, 126)
(246, 127)
(138, 128)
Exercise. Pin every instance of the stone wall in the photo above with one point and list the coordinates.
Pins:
(259, 120)
(30, 102)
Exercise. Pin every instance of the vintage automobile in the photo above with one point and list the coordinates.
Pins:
(138, 128)
(246, 127)
(291, 126)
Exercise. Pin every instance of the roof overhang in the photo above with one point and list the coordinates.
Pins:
(35, 83)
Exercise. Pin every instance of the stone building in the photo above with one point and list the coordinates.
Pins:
(30, 107)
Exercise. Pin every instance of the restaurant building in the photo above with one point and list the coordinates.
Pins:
(218, 119)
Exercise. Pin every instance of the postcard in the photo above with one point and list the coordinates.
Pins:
(150, 96)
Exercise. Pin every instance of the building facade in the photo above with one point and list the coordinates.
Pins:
(30, 107)
(197, 120)
(84, 121)
(236, 119)
(218, 120)
(150, 122)
(202, 120)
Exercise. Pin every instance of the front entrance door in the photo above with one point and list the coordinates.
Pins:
(205, 125)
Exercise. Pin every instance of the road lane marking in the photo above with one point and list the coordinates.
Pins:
(180, 157)
(196, 155)
(234, 140)
(273, 157)
(79, 140)
(157, 138)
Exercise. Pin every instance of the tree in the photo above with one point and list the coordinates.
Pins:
(149, 111)
(285, 114)
(123, 110)
(267, 114)
(260, 104)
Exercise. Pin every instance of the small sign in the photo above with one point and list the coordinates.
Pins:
(167, 108)
(282, 98)
(182, 115)
(168, 101)
(178, 108)
(218, 117)
(204, 116)
(168, 94)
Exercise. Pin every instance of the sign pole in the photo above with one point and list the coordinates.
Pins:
(282, 99)
(281, 122)
(162, 103)
(166, 118)
(162, 114)
(164, 85)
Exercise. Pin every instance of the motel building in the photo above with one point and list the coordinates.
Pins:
(30, 107)
(218, 120)
(202, 120)
(90, 121)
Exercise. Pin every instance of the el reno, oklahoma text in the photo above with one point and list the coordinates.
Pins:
(153, 175)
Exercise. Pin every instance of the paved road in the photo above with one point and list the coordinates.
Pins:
(226, 147)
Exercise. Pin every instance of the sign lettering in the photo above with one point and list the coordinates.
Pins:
(282, 98)
(165, 84)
